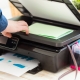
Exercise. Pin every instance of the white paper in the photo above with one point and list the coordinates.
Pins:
(17, 64)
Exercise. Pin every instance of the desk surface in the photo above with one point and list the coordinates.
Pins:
(42, 75)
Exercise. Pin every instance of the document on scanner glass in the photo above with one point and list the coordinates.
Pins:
(49, 31)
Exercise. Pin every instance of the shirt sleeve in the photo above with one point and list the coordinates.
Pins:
(3, 22)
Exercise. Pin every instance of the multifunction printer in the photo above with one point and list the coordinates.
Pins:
(52, 53)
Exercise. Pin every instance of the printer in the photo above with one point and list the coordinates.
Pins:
(53, 54)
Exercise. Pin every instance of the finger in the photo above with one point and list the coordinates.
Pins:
(24, 28)
(7, 34)
(23, 23)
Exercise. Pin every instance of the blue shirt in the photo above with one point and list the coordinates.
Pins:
(3, 22)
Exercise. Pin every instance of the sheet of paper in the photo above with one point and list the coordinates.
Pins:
(17, 64)
(49, 31)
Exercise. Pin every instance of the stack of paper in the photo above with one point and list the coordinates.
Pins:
(49, 31)
(17, 64)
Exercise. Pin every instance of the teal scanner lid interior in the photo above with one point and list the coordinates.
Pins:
(57, 10)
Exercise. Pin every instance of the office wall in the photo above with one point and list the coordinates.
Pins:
(4, 6)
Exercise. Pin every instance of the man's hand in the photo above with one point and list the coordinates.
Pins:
(15, 26)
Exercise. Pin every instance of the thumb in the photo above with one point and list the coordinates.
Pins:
(7, 34)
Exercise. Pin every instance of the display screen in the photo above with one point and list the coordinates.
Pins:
(3, 40)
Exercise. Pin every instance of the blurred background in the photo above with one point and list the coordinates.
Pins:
(4, 6)
(8, 9)
(77, 4)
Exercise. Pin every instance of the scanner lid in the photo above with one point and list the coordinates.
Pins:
(56, 10)
(50, 10)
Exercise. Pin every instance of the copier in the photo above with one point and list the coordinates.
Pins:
(53, 54)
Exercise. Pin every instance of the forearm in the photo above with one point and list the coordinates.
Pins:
(3, 22)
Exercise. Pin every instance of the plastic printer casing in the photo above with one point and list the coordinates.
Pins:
(52, 54)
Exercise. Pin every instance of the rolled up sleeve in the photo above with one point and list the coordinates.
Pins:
(3, 22)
